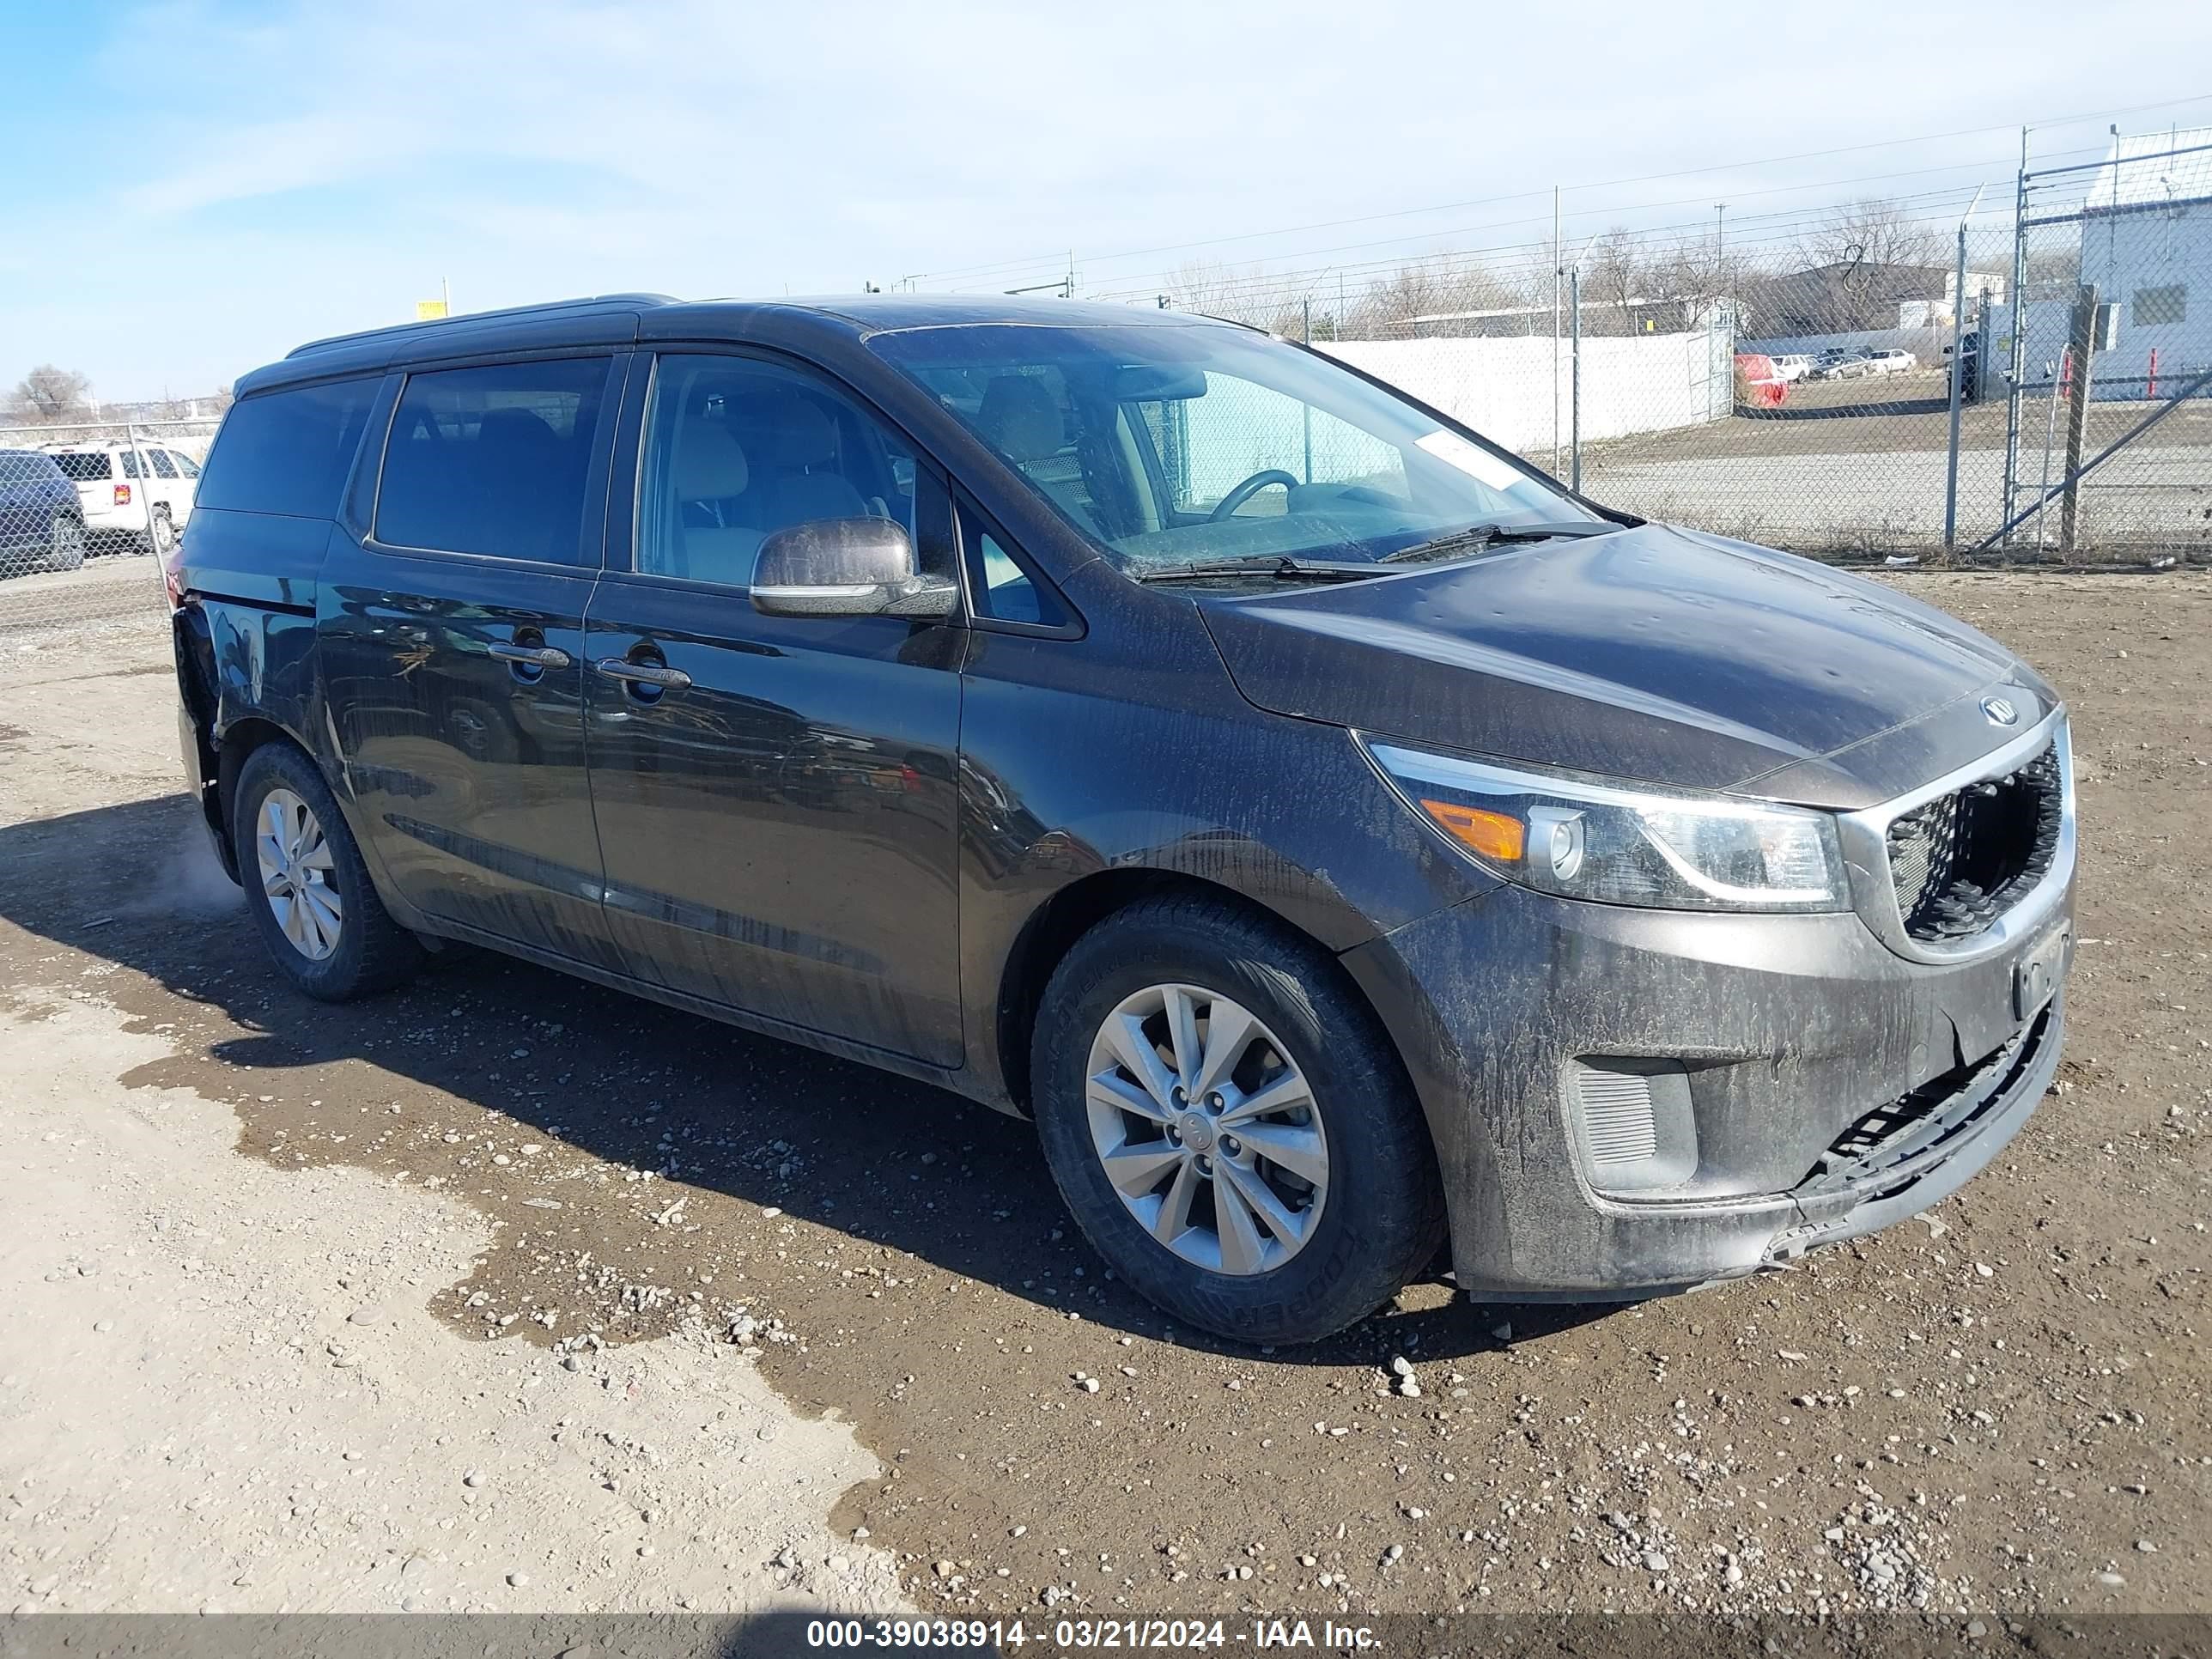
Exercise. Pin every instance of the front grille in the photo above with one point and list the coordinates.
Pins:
(1960, 860)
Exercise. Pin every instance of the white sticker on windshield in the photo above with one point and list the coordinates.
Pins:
(1475, 461)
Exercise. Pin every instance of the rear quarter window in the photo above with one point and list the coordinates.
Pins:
(288, 452)
(80, 466)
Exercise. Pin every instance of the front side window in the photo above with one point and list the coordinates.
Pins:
(1001, 586)
(1175, 443)
(737, 449)
(185, 464)
(493, 460)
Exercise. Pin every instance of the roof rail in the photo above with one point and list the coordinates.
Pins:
(598, 302)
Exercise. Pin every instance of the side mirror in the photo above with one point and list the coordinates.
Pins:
(847, 568)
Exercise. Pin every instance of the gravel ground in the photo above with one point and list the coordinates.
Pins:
(1996, 1411)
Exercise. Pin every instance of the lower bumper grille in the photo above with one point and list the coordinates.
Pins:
(1960, 861)
(1898, 1140)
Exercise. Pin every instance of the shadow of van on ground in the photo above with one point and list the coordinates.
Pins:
(883, 1160)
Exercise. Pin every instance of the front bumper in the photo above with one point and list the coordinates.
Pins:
(1833, 1086)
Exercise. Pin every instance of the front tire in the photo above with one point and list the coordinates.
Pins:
(65, 543)
(1228, 1125)
(305, 881)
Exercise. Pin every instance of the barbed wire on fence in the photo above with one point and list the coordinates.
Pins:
(2025, 371)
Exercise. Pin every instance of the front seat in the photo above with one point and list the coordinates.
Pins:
(806, 485)
(1020, 418)
(707, 474)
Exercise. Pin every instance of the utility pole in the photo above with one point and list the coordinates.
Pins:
(2077, 415)
(1720, 238)
(1575, 396)
(1558, 259)
(1957, 378)
(2016, 368)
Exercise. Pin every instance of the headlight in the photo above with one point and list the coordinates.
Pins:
(1619, 845)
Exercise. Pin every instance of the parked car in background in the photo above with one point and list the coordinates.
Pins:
(1838, 363)
(1792, 367)
(41, 520)
(1761, 384)
(1891, 363)
(144, 513)
(1333, 849)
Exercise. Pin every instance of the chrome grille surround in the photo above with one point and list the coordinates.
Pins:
(1889, 871)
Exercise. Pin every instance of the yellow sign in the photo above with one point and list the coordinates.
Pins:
(428, 310)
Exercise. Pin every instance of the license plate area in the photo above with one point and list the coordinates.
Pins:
(2036, 974)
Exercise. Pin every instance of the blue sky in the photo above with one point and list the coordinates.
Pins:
(195, 187)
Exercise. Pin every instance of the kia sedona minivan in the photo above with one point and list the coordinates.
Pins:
(1343, 841)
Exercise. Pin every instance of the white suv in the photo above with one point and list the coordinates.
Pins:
(118, 502)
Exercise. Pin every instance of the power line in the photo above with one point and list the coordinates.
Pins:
(1059, 256)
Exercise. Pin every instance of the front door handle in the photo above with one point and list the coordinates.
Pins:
(643, 673)
(533, 656)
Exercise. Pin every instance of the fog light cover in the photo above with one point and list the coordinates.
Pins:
(1633, 1129)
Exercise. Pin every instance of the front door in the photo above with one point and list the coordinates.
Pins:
(452, 647)
(775, 796)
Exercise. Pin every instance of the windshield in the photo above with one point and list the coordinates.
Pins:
(1171, 445)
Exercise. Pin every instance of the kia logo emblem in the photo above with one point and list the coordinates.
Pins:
(2001, 712)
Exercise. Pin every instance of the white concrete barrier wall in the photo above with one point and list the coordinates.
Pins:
(1503, 388)
(1510, 391)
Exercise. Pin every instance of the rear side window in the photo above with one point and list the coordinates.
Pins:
(160, 460)
(287, 452)
(493, 460)
(80, 466)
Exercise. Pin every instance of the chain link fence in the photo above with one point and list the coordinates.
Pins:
(1883, 379)
(2106, 356)
(87, 511)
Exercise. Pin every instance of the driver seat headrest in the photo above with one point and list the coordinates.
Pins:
(1020, 419)
(710, 463)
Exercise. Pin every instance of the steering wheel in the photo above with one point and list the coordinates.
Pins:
(1251, 487)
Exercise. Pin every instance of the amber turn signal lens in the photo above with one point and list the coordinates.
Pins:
(1494, 835)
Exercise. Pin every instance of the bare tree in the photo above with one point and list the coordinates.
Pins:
(1614, 269)
(1441, 291)
(1861, 261)
(1218, 290)
(1869, 233)
(54, 394)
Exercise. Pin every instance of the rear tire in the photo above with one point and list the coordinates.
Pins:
(66, 542)
(1241, 1244)
(310, 893)
(161, 540)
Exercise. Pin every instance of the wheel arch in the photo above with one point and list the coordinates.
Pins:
(1073, 910)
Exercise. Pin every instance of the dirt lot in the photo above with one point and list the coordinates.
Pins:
(1999, 1409)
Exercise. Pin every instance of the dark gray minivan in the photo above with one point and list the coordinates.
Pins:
(1335, 834)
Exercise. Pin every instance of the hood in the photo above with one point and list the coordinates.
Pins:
(1652, 653)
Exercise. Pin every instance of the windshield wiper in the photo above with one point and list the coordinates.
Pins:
(1280, 566)
(1476, 536)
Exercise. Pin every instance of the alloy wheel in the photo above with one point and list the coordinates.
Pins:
(68, 544)
(299, 877)
(1207, 1129)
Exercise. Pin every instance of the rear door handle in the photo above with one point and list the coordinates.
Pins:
(643, 673)
(535, 656)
